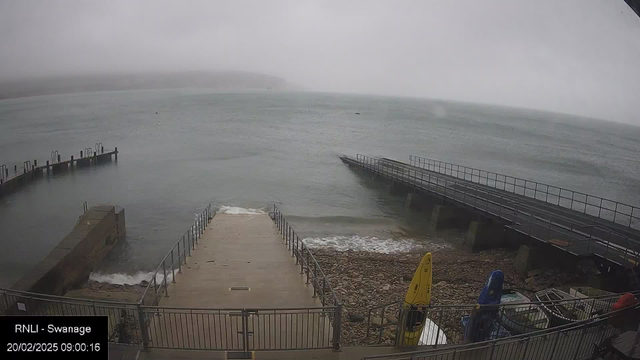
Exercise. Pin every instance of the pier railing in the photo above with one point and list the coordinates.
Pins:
(562, 233)
(611, 210)
(309, 266)
(282, 328)
(573, 341)
(455, 324)
(146, 324)
(30, 171)
(172, 262)
(241, 330)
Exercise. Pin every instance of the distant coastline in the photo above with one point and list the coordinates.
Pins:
(219, 80)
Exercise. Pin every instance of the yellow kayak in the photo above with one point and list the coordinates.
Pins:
(417, 299)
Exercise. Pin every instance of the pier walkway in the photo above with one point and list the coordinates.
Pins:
(240, 283)
(240, 262)
(574, 222)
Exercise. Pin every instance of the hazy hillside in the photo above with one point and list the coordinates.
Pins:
(212, 80)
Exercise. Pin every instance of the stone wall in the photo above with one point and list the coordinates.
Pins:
(72, 260)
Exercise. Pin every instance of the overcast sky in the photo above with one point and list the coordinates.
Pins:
(574, 56)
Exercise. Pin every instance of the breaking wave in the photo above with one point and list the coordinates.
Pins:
(371, 244)
(235, 210)
(126, 279)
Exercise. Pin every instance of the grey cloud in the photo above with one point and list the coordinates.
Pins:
(575, 56)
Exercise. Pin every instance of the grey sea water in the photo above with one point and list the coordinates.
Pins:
(248, 150)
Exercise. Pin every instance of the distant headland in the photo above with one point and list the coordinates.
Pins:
(219, 80)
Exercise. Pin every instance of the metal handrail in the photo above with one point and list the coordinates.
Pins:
(447, 188)
(306, 259)
(540, 189)
(552, 302)
(548, 334)
(602, 304)
(168, 273)
(308, 264)
(575, 226)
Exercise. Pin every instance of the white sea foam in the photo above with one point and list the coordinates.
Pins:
(236, 210)
(371, 244)
(127, 279)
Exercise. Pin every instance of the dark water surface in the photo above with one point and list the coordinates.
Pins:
(251, 149)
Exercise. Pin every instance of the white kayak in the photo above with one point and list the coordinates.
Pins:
(431, 333)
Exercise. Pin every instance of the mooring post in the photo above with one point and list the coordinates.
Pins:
(15, 168)
(102, 149)
(58, 157)
(81, 154)
(71, 160)
(116, 153)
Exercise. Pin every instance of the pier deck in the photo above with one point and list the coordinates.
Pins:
(240, 291)
(575, 232)
(240, 251)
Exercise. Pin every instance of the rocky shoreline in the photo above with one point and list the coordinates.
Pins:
(362, 280)
(94, 290)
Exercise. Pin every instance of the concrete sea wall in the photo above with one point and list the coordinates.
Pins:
(72, 260)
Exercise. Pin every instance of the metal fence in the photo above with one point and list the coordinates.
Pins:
(124, 319)
(172, 262)
(572, 341)
(459, 324)
(314, 275)
(559, 231)
(308, 263)
(611, 210)
(241, 329)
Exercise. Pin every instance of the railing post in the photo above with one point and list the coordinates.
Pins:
(164, 272)
(173, 269)
(324, 290)
(308, 267)
(575, 356)
(315, 277)
(155, 287)
(493, 349)
(337, 327)
(179, 258)
(143, 328)
(293, 243)
(184, 247)
(555, 344)
(526, 345)
(189, 241)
